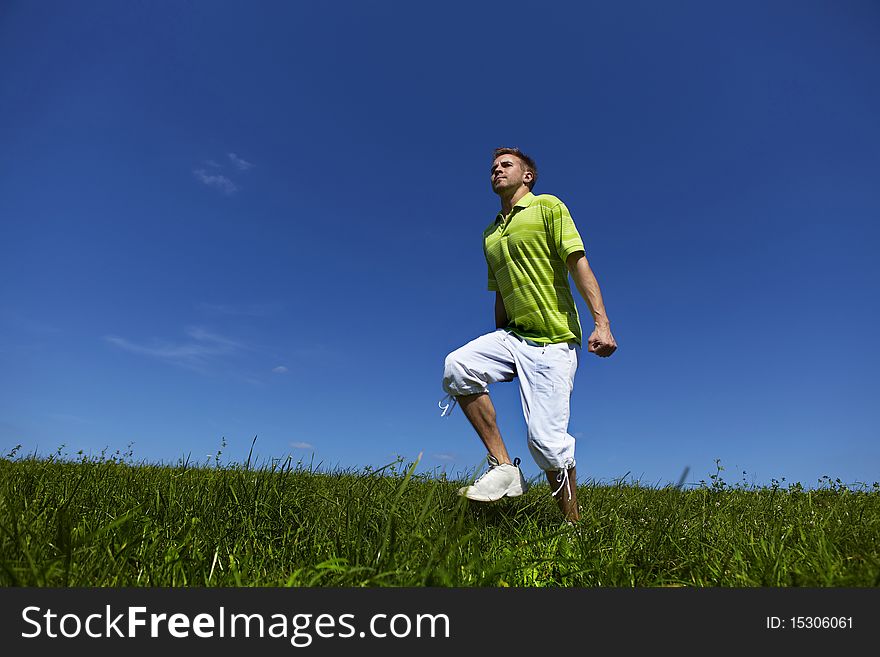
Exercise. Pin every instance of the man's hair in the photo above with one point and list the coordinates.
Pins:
(528, 163)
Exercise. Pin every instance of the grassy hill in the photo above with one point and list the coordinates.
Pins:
(112, 522)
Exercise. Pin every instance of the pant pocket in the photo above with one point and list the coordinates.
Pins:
(546, 372)
(554, 369)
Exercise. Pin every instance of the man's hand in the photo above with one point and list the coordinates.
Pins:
(601, 342)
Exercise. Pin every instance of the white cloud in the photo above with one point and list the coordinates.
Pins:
(302, 445)
(204, 336)
(217, 181)
(443, 457)
(240, 164)
(204, 348)
(280, 369)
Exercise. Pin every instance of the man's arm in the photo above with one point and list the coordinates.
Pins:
(600, 342)
(501, 320)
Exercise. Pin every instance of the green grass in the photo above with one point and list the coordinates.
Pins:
(112, 522)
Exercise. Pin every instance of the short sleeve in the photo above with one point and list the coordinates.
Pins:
(566, 238)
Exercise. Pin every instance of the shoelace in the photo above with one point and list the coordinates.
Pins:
(446, 409)
(494, 464)
(563, 477)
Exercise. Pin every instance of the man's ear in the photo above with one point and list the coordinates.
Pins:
(528, 176)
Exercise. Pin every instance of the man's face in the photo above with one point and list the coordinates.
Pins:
(508, 173)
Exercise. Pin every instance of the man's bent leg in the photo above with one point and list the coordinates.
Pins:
(503, 478)
(566, 496)
(468, 372)
(480, 411)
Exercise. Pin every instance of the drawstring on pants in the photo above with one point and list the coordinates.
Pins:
(563, 478)
(446, 409)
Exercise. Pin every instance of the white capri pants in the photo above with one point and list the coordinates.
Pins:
(546, 379)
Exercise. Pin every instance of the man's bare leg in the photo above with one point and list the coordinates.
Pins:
(569, 507)
(480, 410)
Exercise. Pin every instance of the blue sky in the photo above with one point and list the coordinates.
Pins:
(230, 219)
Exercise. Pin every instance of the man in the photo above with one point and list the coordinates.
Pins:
(531, 248)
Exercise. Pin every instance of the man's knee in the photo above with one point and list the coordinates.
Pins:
(458, 378)
(452, 366)
(453, 373)
(451, 363)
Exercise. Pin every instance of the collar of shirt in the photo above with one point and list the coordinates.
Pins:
(524, 202)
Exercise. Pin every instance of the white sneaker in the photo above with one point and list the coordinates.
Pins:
(498, 481)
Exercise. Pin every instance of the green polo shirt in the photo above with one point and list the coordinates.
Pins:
(526, 253)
